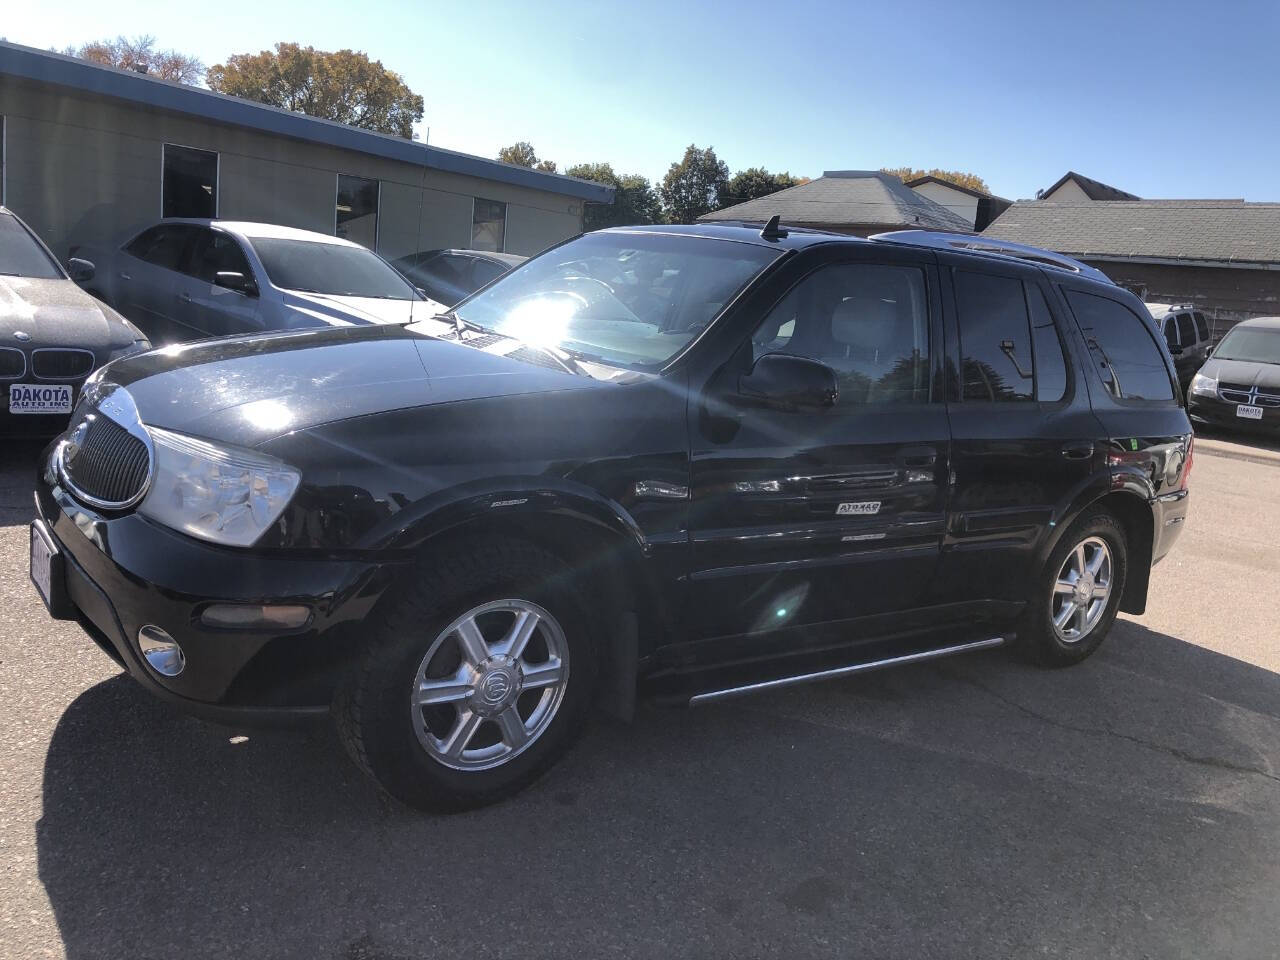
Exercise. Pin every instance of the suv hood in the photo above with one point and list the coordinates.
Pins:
(247, 390)
(57, 313)
(1244, 373)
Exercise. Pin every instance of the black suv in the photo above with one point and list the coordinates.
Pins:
(689, 461)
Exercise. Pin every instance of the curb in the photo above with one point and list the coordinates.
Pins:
(1232, 451)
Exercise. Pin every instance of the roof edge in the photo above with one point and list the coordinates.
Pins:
(43, 66)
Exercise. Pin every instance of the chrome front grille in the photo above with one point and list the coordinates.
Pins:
(1240, 393)
(105, 458)
(13, 363)
(57, 363)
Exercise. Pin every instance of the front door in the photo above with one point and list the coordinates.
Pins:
(1022, 430)
(203, 305)
(807, 522)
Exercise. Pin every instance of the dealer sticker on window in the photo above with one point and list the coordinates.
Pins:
(865, 508)
(39, 398)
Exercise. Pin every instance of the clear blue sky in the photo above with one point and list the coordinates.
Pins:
(1165, 99)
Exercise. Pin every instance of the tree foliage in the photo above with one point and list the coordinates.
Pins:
(970, 180)
(343, 85)
(752, 183)
(693, 186)
(634, 199)
(140, 54)
(522, 154)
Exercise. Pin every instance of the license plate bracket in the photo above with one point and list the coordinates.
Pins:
(48, 572)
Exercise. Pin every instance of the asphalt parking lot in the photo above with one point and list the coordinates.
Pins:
(1129, 807)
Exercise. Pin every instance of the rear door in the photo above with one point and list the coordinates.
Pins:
(1190, 354)
(1023, 433)
(203, 305)
(147, 280)
(825, 518)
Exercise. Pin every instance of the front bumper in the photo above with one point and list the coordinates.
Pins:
(120, 573)
(1215, 412)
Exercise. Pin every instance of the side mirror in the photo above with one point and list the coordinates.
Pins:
(80, 270)
(235, 280)
(790, 383)
(1208, 351)
(1175, 351)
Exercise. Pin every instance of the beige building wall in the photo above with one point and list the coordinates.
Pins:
(84, 170)
(1069, 192)
(957, 201)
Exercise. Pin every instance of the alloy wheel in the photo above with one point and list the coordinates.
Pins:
(1081, 590)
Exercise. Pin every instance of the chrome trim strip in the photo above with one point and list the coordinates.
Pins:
(843, 671)
(16, 376)
(93, 359)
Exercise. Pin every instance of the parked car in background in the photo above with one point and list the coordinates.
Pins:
(52, 333)
(451, 276)
(190, 279)
(1239, 386)
(1186, 332)
(824, 455)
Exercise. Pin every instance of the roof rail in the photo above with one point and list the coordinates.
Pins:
(974, 243)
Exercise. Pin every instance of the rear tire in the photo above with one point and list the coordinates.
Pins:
(1076, 595)
(479, 677)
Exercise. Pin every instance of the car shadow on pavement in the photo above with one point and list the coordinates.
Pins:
(976, 807)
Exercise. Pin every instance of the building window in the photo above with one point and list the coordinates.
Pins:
(357, 216)
(190, 184)
(489, 225)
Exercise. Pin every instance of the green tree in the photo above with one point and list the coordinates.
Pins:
(343, 85)
(522, 154)
(693, 186)
(634, 199)
(139, 53)
(970, 180)
(754, 182)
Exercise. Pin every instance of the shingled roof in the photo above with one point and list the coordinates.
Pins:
(1205, 231)
(1093, 189)
(845, 198)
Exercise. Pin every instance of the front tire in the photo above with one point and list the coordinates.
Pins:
(478, 679)
(1076, 596)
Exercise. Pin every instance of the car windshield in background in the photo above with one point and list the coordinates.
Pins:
(1250, 343)
(330, 268)
(20, 255)
(627, 299)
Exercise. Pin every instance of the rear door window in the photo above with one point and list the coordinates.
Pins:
(1186, 330)
(163, 246)
(1170, 328)
(1051, 364)
(1123, 348)
(1202, 326)
(995, 338)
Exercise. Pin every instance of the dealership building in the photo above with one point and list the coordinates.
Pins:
(89, 154)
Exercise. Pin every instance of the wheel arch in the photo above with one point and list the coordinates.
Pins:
(1133, 511)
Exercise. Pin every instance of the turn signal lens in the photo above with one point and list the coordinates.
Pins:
(255, 616)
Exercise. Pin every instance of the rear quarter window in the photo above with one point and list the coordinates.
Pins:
(1123, 348)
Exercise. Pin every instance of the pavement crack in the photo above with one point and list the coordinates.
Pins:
(1107, 731)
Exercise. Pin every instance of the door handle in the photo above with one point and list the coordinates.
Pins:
(184, 297)
(1079, 450)
(125, 276)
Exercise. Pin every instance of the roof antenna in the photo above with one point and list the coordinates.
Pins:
(771, 229)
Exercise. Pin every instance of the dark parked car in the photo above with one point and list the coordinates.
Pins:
(1239, 386)
(52, 333)
(449, 276)
(1186, 332)
(825, 455)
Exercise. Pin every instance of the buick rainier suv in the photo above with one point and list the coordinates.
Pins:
(676, 462)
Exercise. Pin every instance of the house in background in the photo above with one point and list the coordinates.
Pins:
(1221, 255)
(857, 202)
(978, 209)
(1072, 187)
(90, 153)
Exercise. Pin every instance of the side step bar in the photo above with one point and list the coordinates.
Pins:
(800, 678)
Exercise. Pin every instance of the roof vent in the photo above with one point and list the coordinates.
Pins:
(771, 229)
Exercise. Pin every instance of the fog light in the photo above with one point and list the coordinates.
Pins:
(256, 616)
(161, 651)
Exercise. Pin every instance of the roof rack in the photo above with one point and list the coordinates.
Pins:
(973, 243)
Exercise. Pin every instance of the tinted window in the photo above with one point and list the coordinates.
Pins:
(357, 215)
(20, 255)
(489, 225)
(332, 268)
(442, 276)
(1051, 365)
(995, 338)
(1123, 347)
(190, 185)
(486, 270)
(1170, 328)
(162, 246)
(1202, 325)
(869, 323)
(218, 252)
(1250, 343)
(1186, 330)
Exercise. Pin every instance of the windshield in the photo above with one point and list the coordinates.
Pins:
(628, 299)
(330, 268)
(1250, 343)
(20, 255)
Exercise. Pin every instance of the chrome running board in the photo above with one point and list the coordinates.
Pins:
(800, 678)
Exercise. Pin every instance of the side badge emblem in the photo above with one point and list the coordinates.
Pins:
(862, 509)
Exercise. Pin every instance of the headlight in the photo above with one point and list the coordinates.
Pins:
(224, 495)
(1203, 386)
